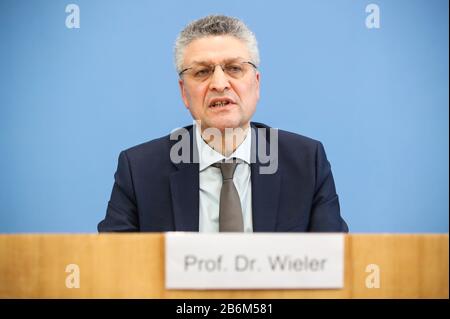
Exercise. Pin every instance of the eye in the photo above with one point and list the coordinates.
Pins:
(233, 69)
(201, 72)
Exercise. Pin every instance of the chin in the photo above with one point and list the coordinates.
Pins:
(222, 125)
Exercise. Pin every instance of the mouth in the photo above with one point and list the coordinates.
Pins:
(221, 103)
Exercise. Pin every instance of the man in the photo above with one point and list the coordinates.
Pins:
(211, 176)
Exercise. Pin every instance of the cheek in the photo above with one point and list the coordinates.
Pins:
(197, 95)
(249, 93)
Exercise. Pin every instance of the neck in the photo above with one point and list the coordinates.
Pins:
(225, 141)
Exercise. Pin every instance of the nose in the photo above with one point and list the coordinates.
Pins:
(219, 80)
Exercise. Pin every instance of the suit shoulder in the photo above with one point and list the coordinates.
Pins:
(297, 139)
(291, 138)
(158, 148)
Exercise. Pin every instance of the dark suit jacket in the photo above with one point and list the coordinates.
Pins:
(152, 194)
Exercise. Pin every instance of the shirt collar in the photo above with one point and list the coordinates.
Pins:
(209, 156)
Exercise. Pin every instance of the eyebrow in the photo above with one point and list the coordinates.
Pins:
(209, 62)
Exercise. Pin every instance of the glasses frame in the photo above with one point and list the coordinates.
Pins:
(222, 66)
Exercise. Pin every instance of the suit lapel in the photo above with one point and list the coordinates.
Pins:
(184, 186)
(265, 187)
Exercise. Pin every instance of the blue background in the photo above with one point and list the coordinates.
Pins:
(72, 99)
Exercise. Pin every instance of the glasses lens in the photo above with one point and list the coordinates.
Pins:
(201, 72)
(234, 70)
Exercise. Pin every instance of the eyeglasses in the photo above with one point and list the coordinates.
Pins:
(202, 72)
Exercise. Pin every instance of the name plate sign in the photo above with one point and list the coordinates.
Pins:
(254, 261)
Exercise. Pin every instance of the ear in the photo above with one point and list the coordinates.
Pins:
(257, 84)
(183, 92)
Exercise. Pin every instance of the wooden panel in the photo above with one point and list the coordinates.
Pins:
(132, 266)
(411, 266)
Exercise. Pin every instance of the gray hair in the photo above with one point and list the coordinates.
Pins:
(215, 25)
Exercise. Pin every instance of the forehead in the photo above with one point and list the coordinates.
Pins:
(215, 49)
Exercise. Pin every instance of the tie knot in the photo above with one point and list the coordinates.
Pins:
(227, 169)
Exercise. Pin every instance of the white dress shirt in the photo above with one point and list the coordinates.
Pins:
(211, 183)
